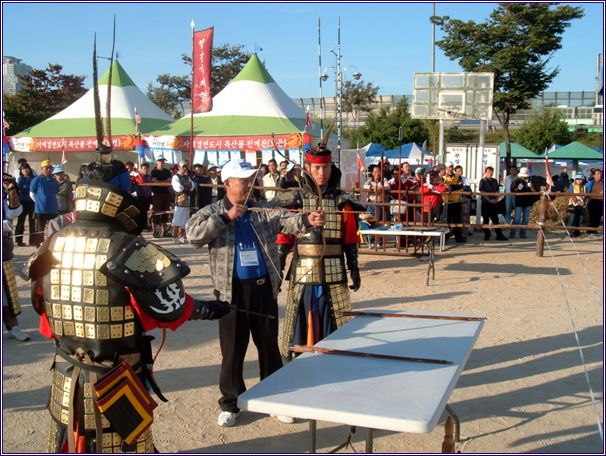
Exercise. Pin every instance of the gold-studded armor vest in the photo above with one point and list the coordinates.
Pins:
(318, 260)
(97, 263)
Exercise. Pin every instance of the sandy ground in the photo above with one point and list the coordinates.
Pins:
(524, 389)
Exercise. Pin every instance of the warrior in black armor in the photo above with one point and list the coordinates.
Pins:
(318, 290)
(99, 286)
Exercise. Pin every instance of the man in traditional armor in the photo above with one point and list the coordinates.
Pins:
(11, 208)
(318, 291)
(99, 287)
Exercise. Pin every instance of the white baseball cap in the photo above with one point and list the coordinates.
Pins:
(524, 172)
(237, 168)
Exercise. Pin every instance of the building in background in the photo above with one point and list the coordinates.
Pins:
(11, 68)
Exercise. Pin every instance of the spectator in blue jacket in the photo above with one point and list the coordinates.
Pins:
(43, 190)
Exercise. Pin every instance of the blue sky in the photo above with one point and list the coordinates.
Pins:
(386, 42)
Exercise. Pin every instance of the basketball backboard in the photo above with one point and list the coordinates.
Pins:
(453, 96)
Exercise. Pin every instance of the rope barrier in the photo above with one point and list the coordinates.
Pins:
(576, 336)
(600, 303)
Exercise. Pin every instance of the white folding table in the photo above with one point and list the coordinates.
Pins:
(428, 235)
(368, 392)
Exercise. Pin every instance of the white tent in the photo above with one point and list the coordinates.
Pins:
(72, 132)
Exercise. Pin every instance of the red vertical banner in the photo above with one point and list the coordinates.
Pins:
(548, 176)
(201, 64)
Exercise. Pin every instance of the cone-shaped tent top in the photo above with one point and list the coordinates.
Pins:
(575, 151)
(75, 125)
(245, 114)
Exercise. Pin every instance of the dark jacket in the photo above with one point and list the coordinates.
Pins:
(520, 186)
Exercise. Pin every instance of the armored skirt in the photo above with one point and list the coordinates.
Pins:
(318, 292)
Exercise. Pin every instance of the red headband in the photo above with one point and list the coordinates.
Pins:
(318, 159)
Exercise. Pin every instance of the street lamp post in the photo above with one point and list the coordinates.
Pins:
(339, 75)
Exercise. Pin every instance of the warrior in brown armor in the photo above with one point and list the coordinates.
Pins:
(318, 291)
(99, 286)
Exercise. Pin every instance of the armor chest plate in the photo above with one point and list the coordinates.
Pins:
(333, 228)
(309, 268)
(80, 302)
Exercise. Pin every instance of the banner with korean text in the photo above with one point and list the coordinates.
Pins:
(201, 63)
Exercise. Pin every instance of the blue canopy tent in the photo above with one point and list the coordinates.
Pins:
(411, 153)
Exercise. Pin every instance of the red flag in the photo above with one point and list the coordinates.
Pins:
(309, 122)
(201, 60)
(547, 172)
(360, 163)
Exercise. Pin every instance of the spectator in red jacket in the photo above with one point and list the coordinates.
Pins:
(432, 198)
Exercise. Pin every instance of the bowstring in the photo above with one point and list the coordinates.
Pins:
(265, 248)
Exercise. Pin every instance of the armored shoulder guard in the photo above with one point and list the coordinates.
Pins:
(39, 264)
(142, 265)
(288, 200)
(343, 198)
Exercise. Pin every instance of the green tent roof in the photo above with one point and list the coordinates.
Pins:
(119, 76)
(517, 151)
(575, 151)
(254, 70)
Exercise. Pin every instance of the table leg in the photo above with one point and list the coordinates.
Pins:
(457, 424)
(431, 245)
(433, 257)
(369, 437)
(448, 445)
(312, 436)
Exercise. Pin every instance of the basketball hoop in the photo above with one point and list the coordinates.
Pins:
(452, 96)
(449, 116)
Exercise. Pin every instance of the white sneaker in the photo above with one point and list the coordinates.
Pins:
(227, 419)
(176, 241)
(285, 419)
(16, 333)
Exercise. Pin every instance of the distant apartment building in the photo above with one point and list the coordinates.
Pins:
(11, 68)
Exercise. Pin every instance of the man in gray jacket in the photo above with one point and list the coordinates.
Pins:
(244, 263)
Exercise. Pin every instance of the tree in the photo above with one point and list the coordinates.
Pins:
(543, 129)
(516, 44)
(593, 139)
(383, 128)
(433, 135)
(173, 91)
(44, 94)
(358, 97)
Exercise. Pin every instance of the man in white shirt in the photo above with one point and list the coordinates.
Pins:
(271, 179)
